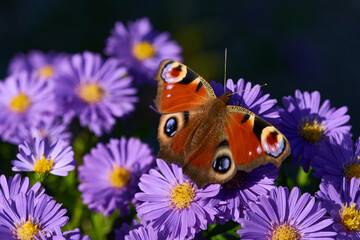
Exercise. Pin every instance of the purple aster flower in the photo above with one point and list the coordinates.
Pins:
(52, 130)
(43, 157)
(96, 91)
(25, 102)
(59, 235)
(250, 98)
(137, 232)
(13, 186)
(125, 229)
(343, 204)
(141, 49)
(172, 204)
(45, 65)
(110, 174)
(337, 159)
(306, 123)
(285, 216)
(144, 233)
(242, 189)
(24, 215)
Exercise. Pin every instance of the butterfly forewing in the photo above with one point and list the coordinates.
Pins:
(180, 88)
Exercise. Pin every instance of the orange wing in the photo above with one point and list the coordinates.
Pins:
(252, 140)
(180, 88)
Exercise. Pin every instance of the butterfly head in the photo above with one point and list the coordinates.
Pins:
(226, 97)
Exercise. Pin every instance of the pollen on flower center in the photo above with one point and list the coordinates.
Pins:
(20, 103)
(351, 217)
(25, 231)
(144, 50)
(91, 93)
(43, 165)
(353, 170)
(285, 232)
(119, 177)
(182, 195)
(312, 131)
(46, 71)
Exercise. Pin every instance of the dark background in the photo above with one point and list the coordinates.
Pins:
(288, 45)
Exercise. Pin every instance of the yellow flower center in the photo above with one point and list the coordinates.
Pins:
(144, 50)
(91, 93)
(353, 170)
(46, 71)
(20, 103)
(182, 195)
(43, 165)
(119, 177)
(312, 131)
(351, 217)
(285, 232)
(25, 231)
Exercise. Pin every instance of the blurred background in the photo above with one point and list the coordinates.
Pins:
(288, 45)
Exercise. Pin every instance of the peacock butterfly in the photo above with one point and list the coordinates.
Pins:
(210, 139)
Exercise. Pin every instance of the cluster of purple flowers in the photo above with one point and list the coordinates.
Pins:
(45, 92)
(28, 213)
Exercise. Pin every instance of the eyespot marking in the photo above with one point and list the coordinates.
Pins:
(222, 164)
(272, 142)
(170, 127)
(173, 72)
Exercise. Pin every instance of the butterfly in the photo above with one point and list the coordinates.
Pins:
(210, 139)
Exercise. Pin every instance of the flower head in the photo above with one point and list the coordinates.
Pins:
(242, 189)
(140, 48)
(96, 91)
(52, 130)
(45, 65)
(172, 204)
(125, 229)
(285, 216)
(25, 102)
(110, 174)
(250, 98)
(342, 202)
(59, 235)
(144, 233)
(337, 159)
(23, 216)
(306, 124)
(137, 231)
(43, 157)
(14, 185)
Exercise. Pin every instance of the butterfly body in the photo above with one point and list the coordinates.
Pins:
(210, 139)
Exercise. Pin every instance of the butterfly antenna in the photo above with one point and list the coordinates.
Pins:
(225, 60)
(258, 86)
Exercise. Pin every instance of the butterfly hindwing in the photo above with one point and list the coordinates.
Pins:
(253, 141)
(180, 88)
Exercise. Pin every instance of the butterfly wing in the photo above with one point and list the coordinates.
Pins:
(252, 140)
(180, 88)
(182, 98)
